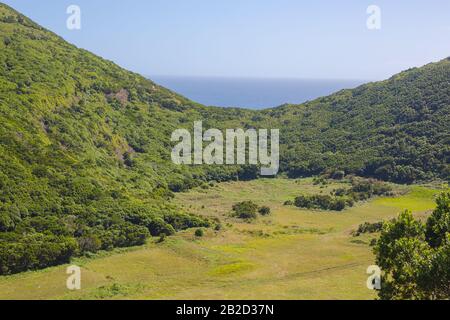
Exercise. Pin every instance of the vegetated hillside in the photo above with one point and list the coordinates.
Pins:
(394, 130)
(85, 145)
(84, 151)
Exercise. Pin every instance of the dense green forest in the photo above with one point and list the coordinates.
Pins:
(85, 145)
(394, 130)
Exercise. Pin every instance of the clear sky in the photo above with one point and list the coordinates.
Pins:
(254, 38)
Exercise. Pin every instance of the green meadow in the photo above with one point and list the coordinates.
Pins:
(290, 254)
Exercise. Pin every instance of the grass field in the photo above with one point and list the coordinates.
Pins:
(291, 254)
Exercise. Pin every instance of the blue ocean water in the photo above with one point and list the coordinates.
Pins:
(252, 93)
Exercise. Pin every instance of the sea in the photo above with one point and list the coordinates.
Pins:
(252, 93)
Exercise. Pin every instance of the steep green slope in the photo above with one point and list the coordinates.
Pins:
(394, 130)
(84, 151)
(85, 145)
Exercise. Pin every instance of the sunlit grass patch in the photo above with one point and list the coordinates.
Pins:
(418, 199)
(232, 248)
(233, 268)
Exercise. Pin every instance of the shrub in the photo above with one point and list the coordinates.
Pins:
(264, 211)
(366, 189)
(323, 202)
(7, 41)
(341, 198)
(159, 226)
(245, 210)
(368, 228)
(338, 204)
(181, 221)
(199, 233)
(303, 202)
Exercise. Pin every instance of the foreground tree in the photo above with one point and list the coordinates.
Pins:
(415, 258)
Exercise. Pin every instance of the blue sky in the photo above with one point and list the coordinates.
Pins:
(254, 38)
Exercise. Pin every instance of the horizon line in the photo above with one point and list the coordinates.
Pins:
(231, 77)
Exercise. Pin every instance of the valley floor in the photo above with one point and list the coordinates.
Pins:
(291, 254)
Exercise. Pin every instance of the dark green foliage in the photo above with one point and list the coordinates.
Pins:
(368, 227)
(438, 224)
(35, 251)
(361, 189)
(185, 221)
(248, 210)
(249, 173)
(415, 258)
(338, 175)
(394, 130)
(199, 233)
(323, 202)
(245, 210)
(264, 211)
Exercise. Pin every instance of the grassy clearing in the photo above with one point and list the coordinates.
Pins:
(419, 198)
(291, 254)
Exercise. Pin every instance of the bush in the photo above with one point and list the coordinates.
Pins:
(338, 204)
(366, 189)
(323, 202)
(245, 210)
(303, 202)
(368, 228)
(159, 226)
(7, 41)
(181, 221)
(199, 233)
(342, 198)
(264, 211)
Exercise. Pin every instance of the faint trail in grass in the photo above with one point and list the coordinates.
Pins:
(318, 271)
